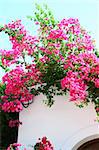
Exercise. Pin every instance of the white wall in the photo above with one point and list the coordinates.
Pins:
(64, 123)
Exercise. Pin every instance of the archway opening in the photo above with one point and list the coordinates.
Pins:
(90, 145)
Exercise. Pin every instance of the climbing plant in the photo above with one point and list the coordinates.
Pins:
(62, 57)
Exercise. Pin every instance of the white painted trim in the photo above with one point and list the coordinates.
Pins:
(92, 137)
(81, 136)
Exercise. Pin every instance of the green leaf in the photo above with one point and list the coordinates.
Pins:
(30, 17)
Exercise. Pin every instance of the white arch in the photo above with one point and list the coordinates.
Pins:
(81, 136)
(89, 138)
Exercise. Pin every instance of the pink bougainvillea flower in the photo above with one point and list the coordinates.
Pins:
(14, 146)
(63, 52)
(14, 123)
(12, 106)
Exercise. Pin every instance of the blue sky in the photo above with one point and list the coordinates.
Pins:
(85, 10)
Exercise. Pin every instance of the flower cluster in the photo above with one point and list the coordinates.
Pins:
(14, 146)
(17, 88)
(76, 86)
(14, 123)
(77, 37)
(80, 73)
(12, 106)
(21, 43)
(61, 57)
(42, 144)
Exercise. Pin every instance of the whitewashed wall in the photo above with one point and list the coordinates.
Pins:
(64, 123)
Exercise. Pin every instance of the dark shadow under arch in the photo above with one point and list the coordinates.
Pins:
(90, 145)
(8, 135)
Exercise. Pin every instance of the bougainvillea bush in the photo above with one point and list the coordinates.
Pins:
(61, 58)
